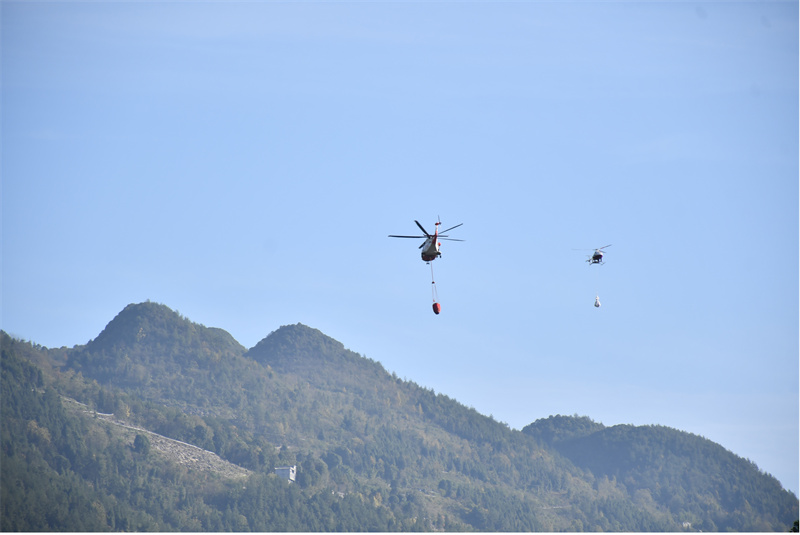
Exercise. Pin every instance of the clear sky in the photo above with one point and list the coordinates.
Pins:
(244, 162)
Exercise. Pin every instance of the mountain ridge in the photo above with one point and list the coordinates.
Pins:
(299, 397)
(137, 321)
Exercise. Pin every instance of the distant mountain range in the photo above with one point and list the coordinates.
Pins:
(163, 424)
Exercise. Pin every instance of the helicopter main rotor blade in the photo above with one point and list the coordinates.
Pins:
(451, 228)
(422, 229)
(393, 236)
(451, 239)
(603, 247)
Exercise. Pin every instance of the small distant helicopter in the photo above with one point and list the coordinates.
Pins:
(597, 255)
(430, 247)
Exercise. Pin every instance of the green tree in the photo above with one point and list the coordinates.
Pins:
(141, 444)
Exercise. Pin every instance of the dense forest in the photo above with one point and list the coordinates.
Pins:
(689, 475)
(373, 452)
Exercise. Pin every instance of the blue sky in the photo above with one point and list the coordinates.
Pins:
(243, 163)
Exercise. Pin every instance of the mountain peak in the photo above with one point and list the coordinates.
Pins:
(558, 428)
(291, 346)
(136, 322)
(150, 332)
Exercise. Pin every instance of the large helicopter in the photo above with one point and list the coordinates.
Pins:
(597, 255)
(430, 247)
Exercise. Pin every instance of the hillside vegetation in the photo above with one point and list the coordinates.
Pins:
(373, 452)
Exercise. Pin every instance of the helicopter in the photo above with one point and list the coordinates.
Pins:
(430, 247)
(597, 255)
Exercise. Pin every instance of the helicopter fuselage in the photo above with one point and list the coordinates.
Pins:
(597, 258)
(430, 249)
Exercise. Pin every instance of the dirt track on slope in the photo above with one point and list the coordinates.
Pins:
(176, 451)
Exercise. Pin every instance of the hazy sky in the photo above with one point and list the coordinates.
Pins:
(244, 162)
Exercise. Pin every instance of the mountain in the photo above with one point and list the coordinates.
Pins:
(373, 452)
(148, 337)
(556, 429)
(689, 476)
(298, 348)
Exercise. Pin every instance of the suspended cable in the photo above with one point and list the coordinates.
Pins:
(434, 294)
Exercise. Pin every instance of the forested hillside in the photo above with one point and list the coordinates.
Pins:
(690, 476)
(373, 452)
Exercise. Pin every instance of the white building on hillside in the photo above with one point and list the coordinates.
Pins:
(286, 472)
